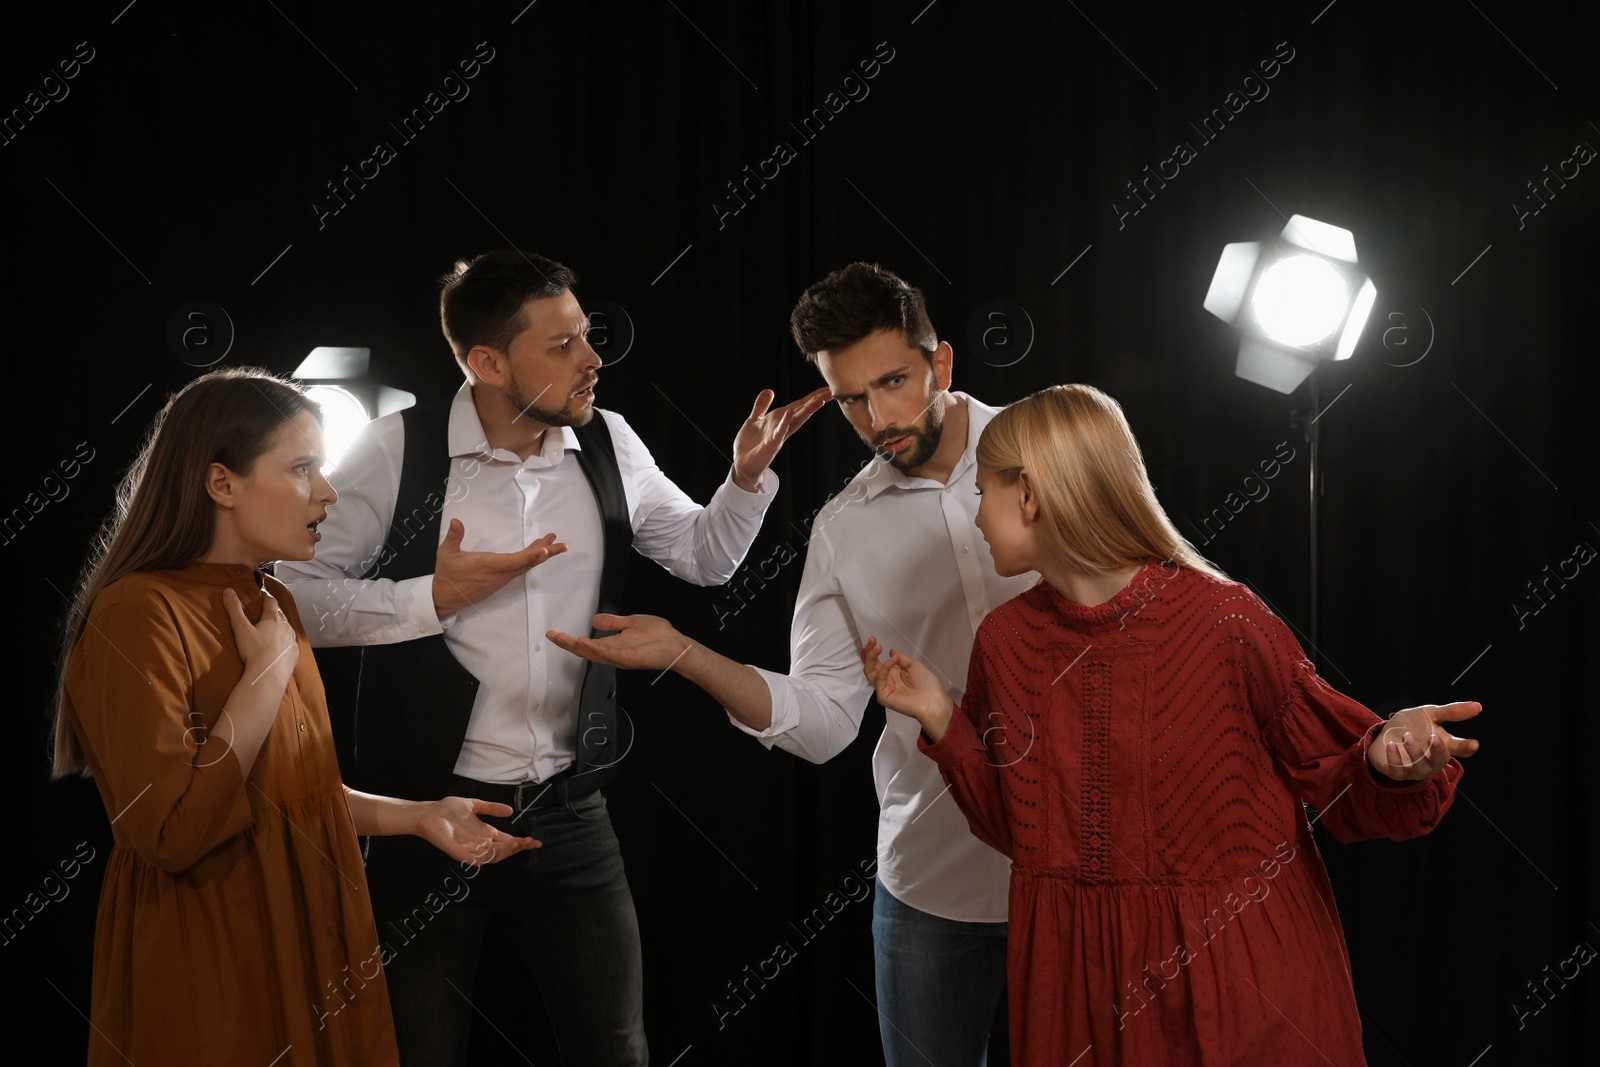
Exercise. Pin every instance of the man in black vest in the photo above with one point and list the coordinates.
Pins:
(441, 563)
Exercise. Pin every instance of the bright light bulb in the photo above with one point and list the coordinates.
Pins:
(1300, 300)
(343, 416)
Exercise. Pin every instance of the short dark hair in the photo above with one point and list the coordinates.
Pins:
(855, 301)
(481, 299)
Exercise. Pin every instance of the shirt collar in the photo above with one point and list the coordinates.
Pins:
(881, 475)
(467, 439)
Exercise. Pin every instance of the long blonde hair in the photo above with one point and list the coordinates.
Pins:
(162, 518)
(1095, 498)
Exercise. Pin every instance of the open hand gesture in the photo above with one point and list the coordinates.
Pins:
(641, 641)
(907, 686)
(452, 826)
(764, 432)
(461, 578)
(1413, 746)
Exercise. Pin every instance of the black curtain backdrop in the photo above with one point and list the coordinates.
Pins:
(984, 151)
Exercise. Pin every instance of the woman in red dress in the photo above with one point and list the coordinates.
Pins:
(1140, 736)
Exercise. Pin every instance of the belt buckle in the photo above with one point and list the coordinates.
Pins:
(516, 797)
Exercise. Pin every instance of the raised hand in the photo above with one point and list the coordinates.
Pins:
(764, 432)
(269, 647)
(907, 686)
(452, 826)
(641, 641)
(1414, 746)
(461, 578)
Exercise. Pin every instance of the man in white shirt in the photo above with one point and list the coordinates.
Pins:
(459, 505)
(898, 555)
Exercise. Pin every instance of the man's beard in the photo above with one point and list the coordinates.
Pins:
(562, 416)
(924, 441)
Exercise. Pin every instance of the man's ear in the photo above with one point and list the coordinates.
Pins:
(222, 485)
(1026, 497)
(489, 365)
(943, 365)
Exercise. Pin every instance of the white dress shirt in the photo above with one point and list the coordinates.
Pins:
(522, 724)
(900, 559)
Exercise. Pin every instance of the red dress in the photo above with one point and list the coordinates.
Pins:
(1143, 762)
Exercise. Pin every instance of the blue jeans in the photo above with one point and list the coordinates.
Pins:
(567, 910)
(938, 983)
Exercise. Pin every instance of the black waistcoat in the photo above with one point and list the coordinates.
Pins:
(406, 705)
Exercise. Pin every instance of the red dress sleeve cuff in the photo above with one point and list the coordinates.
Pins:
(960, 740)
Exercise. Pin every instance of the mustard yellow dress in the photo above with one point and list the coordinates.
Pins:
(234, 924)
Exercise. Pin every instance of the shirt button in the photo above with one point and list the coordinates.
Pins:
(533, 583)
(528, 523)
(536, 646)
(535, 705)
(302, 727)
(423, 630)
(966, 548)
(949, 488)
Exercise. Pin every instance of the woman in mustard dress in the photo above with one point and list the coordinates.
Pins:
(234, 925)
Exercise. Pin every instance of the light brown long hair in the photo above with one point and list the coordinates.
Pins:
(1095, 498)
(162, 518)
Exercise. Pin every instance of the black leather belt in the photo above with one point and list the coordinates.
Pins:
(553, 792)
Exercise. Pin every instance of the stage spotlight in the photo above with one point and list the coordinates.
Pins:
(1299, 301)
(337, 379)
(342, 418)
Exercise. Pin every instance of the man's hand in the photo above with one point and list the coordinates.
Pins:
(651, 643)
(764, 433)
(1412, 746)
(462, 578)
(641, 641)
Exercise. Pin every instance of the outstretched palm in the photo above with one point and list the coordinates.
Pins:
(641, 642)
(452, 826)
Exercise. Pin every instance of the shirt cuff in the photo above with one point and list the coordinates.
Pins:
(762, 497)
(785, 715)
(413, 608)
